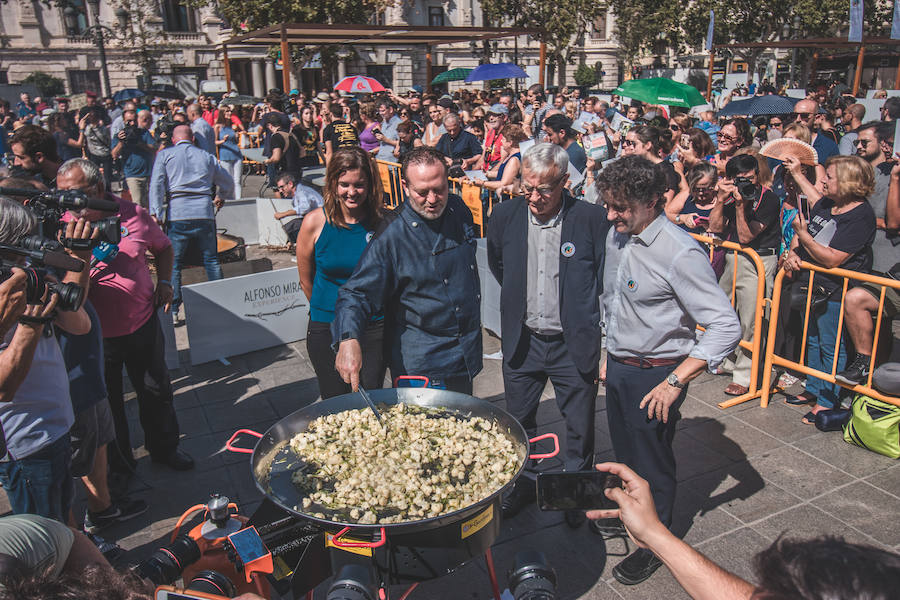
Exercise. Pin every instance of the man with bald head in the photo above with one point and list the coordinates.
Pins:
(805, 112)
(186, 184)
(204, 134)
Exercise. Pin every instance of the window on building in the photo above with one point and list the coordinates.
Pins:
(4, 80)
(87, 80)
(383, 73)
(178, 17)
(76, 18)
(377, 19)
(435, 16)
(598, 31)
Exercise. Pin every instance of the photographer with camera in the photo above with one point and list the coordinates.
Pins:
(126, 300)
(136, 147)
(749, 214)
(35, 407)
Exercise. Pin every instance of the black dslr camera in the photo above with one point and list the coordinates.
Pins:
(746, 188)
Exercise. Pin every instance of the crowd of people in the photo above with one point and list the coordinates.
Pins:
(592, 203)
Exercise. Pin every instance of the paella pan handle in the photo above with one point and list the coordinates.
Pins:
(229, 445)
(336, 540)
(411, 378)
(551, 436)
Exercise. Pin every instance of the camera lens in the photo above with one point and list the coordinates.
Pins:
(166, 564)
(532, 578)
(212, 582)
(70, 295)
(353, 582)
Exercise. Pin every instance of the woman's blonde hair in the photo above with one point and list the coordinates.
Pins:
(799, 131)
(855, 177)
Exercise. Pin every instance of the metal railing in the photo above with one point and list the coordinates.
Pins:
(772, 359)
(754, 344)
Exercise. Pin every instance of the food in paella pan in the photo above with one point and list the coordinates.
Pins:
(427, 462)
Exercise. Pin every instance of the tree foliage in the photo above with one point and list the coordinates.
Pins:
(48, 85)
(587, 76)
(560, 21)
(682, 24)
(256, 14)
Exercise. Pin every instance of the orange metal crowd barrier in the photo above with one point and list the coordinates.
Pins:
(754, 344)
(390, 179)
(772, 359)
(469, 192)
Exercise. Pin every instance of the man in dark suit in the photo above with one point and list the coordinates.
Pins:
(546, 250)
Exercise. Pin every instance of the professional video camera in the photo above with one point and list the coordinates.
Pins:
(49, 208)
(132, 134)
(165, 565)
(164, 128)
(41, 253)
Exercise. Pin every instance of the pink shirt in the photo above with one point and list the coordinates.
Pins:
(122, 291)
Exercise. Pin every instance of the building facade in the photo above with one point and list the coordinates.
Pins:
(163, 41)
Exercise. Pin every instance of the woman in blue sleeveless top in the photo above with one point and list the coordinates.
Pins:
(329, 245)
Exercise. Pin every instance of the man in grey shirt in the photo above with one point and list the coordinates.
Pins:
(658, 286)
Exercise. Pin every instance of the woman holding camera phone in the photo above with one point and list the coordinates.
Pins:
(838, 232)
(329, 245)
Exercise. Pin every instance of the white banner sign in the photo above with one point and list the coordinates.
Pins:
(241, 314)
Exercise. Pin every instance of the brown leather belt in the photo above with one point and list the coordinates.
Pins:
(646, 363)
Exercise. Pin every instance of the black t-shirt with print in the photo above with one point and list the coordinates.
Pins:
(341, 135)
(852, 232)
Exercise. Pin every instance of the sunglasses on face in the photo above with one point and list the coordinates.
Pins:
(628, 142)
(803, 116)
(775, 123)
(675, 127)
(704, 191)
(861, 143)
(727, 138)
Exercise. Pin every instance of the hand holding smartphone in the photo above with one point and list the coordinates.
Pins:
(575, 490)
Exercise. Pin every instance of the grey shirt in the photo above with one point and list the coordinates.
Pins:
(884, 253)
(846, 146)
(542, 298)
(658, 286)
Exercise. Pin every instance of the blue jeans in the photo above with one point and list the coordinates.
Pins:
(201, 233)
(41, 484)
(820, 354)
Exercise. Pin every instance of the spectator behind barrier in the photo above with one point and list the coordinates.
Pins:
(838, 232)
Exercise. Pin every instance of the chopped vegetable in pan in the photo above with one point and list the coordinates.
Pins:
(425, 463)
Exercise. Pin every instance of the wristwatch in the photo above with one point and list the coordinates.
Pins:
(672, 380)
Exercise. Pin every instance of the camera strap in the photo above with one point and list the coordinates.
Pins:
(29, 320)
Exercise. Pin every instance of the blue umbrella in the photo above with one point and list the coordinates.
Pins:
(497, 71)
(760, 105)
(128, 94)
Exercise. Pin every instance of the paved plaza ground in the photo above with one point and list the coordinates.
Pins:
(746, 475)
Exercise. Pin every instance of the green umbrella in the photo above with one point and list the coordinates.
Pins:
(451, 75)
(658, 90)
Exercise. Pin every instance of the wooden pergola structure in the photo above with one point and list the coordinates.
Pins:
(317, 34)
(817, 44)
